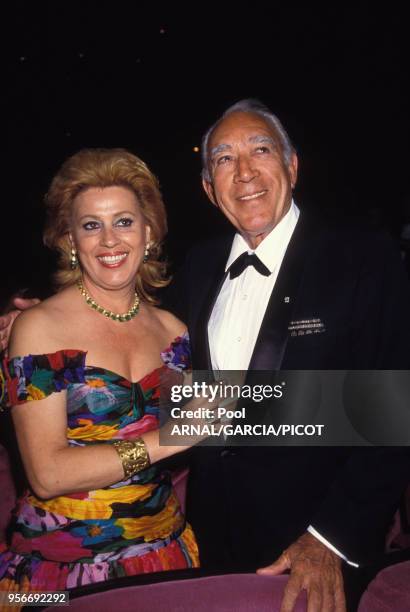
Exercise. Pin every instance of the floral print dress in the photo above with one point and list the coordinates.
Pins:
(134, 526)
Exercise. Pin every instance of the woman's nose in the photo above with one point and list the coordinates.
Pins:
(109, 237)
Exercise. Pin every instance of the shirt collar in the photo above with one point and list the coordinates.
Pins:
(272, 248)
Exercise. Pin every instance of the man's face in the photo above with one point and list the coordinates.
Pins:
(250, 181)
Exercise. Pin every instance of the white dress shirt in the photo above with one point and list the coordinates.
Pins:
(239, 309)
(241, 304)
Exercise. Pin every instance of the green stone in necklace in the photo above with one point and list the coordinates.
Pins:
(121, 318)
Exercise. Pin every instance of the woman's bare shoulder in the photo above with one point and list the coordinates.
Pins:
(33, 329)
(174, 326)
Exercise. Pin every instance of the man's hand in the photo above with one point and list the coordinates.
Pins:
(7, 320)
(313, 567)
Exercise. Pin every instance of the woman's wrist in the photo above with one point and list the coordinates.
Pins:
(133, 455)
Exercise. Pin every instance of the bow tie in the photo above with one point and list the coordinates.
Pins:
(246, 260)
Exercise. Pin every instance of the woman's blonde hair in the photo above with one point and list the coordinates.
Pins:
(106, 168)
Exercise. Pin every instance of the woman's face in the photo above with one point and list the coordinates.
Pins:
(109, 233)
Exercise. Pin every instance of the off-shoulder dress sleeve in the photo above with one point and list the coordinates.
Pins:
(178, 355)
(34, 377)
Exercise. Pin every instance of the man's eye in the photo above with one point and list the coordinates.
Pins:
(91, 225)
(223, 159)
(263, 149)
(124, 222)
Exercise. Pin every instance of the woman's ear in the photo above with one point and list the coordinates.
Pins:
(147, 234)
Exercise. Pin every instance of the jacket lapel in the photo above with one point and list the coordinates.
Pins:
(271, 343)
(273, 336)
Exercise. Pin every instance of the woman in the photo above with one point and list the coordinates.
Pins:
(98, 505)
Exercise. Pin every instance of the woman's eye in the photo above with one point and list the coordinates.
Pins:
(124, 222)
(91, 225)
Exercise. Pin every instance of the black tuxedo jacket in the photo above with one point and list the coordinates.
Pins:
(247, 504)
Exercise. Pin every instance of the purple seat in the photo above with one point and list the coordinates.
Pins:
(228, 593)
(389, 591)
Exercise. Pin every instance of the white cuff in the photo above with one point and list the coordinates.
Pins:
(317, 535)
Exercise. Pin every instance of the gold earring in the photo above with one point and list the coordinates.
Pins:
(73, 259)
(146, 253)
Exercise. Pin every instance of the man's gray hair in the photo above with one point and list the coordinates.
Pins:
(255, 107)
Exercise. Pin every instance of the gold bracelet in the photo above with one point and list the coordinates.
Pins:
(133, 454)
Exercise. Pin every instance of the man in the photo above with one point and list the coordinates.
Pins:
(324, 507)
(314, 510)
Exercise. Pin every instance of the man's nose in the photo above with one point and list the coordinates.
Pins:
(245, 170)
(109, 237)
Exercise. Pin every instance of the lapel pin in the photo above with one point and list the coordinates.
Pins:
(287, 300)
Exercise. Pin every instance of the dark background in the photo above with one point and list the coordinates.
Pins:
(152, 78)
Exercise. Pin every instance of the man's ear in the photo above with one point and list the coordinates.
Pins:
(209, 190)
(293, 169)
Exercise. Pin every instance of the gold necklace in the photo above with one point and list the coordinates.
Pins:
(121, 318)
